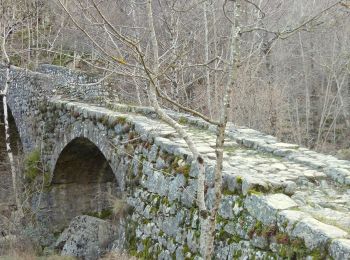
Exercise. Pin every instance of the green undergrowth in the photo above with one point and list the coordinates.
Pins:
(182, 120)
(34, 173)
(32, 163)
(62, 59)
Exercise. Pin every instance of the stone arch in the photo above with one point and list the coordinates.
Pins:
(83, 182)
(82, 162)
(82, 131)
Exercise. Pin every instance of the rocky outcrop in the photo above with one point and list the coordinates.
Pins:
(86, 237)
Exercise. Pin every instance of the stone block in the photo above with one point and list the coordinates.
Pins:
(340, 249)
(287, 219)
(316, 234)
(265, 208)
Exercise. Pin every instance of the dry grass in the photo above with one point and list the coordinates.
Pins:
(118, 256)
(28, 256)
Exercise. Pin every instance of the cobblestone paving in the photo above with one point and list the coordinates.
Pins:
(318, 183)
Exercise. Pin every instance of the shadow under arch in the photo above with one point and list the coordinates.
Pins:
(6, 188)
(83, 183)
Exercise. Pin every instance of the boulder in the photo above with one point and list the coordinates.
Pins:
(86, 237)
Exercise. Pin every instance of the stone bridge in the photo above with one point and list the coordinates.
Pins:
(280, 200)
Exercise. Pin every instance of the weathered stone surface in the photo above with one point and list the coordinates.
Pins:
(226, 209)
(175, 187)
(340, 249)
(86, 237)
(316, 234)
(287, 219)
(265, 208)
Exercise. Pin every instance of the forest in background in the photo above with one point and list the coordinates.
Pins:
(294, 75)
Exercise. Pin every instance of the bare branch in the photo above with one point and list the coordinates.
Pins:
(193, 112)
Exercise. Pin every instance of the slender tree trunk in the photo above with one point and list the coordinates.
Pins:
(174, 73)
(37, 39)
(206, 53)
(138, 94)
(7, 142)
(203, 215)
(6, 123)
(29, 43)
(307, 92)
(216, 54)
(220, 136)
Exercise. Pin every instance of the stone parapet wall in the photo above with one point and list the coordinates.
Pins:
(77, 85)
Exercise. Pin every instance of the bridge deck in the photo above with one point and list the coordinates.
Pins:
(319, 184)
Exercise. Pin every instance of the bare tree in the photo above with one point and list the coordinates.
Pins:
(159, 49)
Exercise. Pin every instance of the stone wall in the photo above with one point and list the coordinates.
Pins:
(280, 200)
(81, 86)
(273, 205)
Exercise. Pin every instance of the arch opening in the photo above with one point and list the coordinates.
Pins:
(6, 188)
(83, 183)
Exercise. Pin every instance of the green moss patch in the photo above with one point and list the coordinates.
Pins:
(32, 166)
(182, 120)
(184, 169)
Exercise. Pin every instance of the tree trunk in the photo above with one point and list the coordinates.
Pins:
(220, 134)
(206, 53)
(7, 142)
(205, 236)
